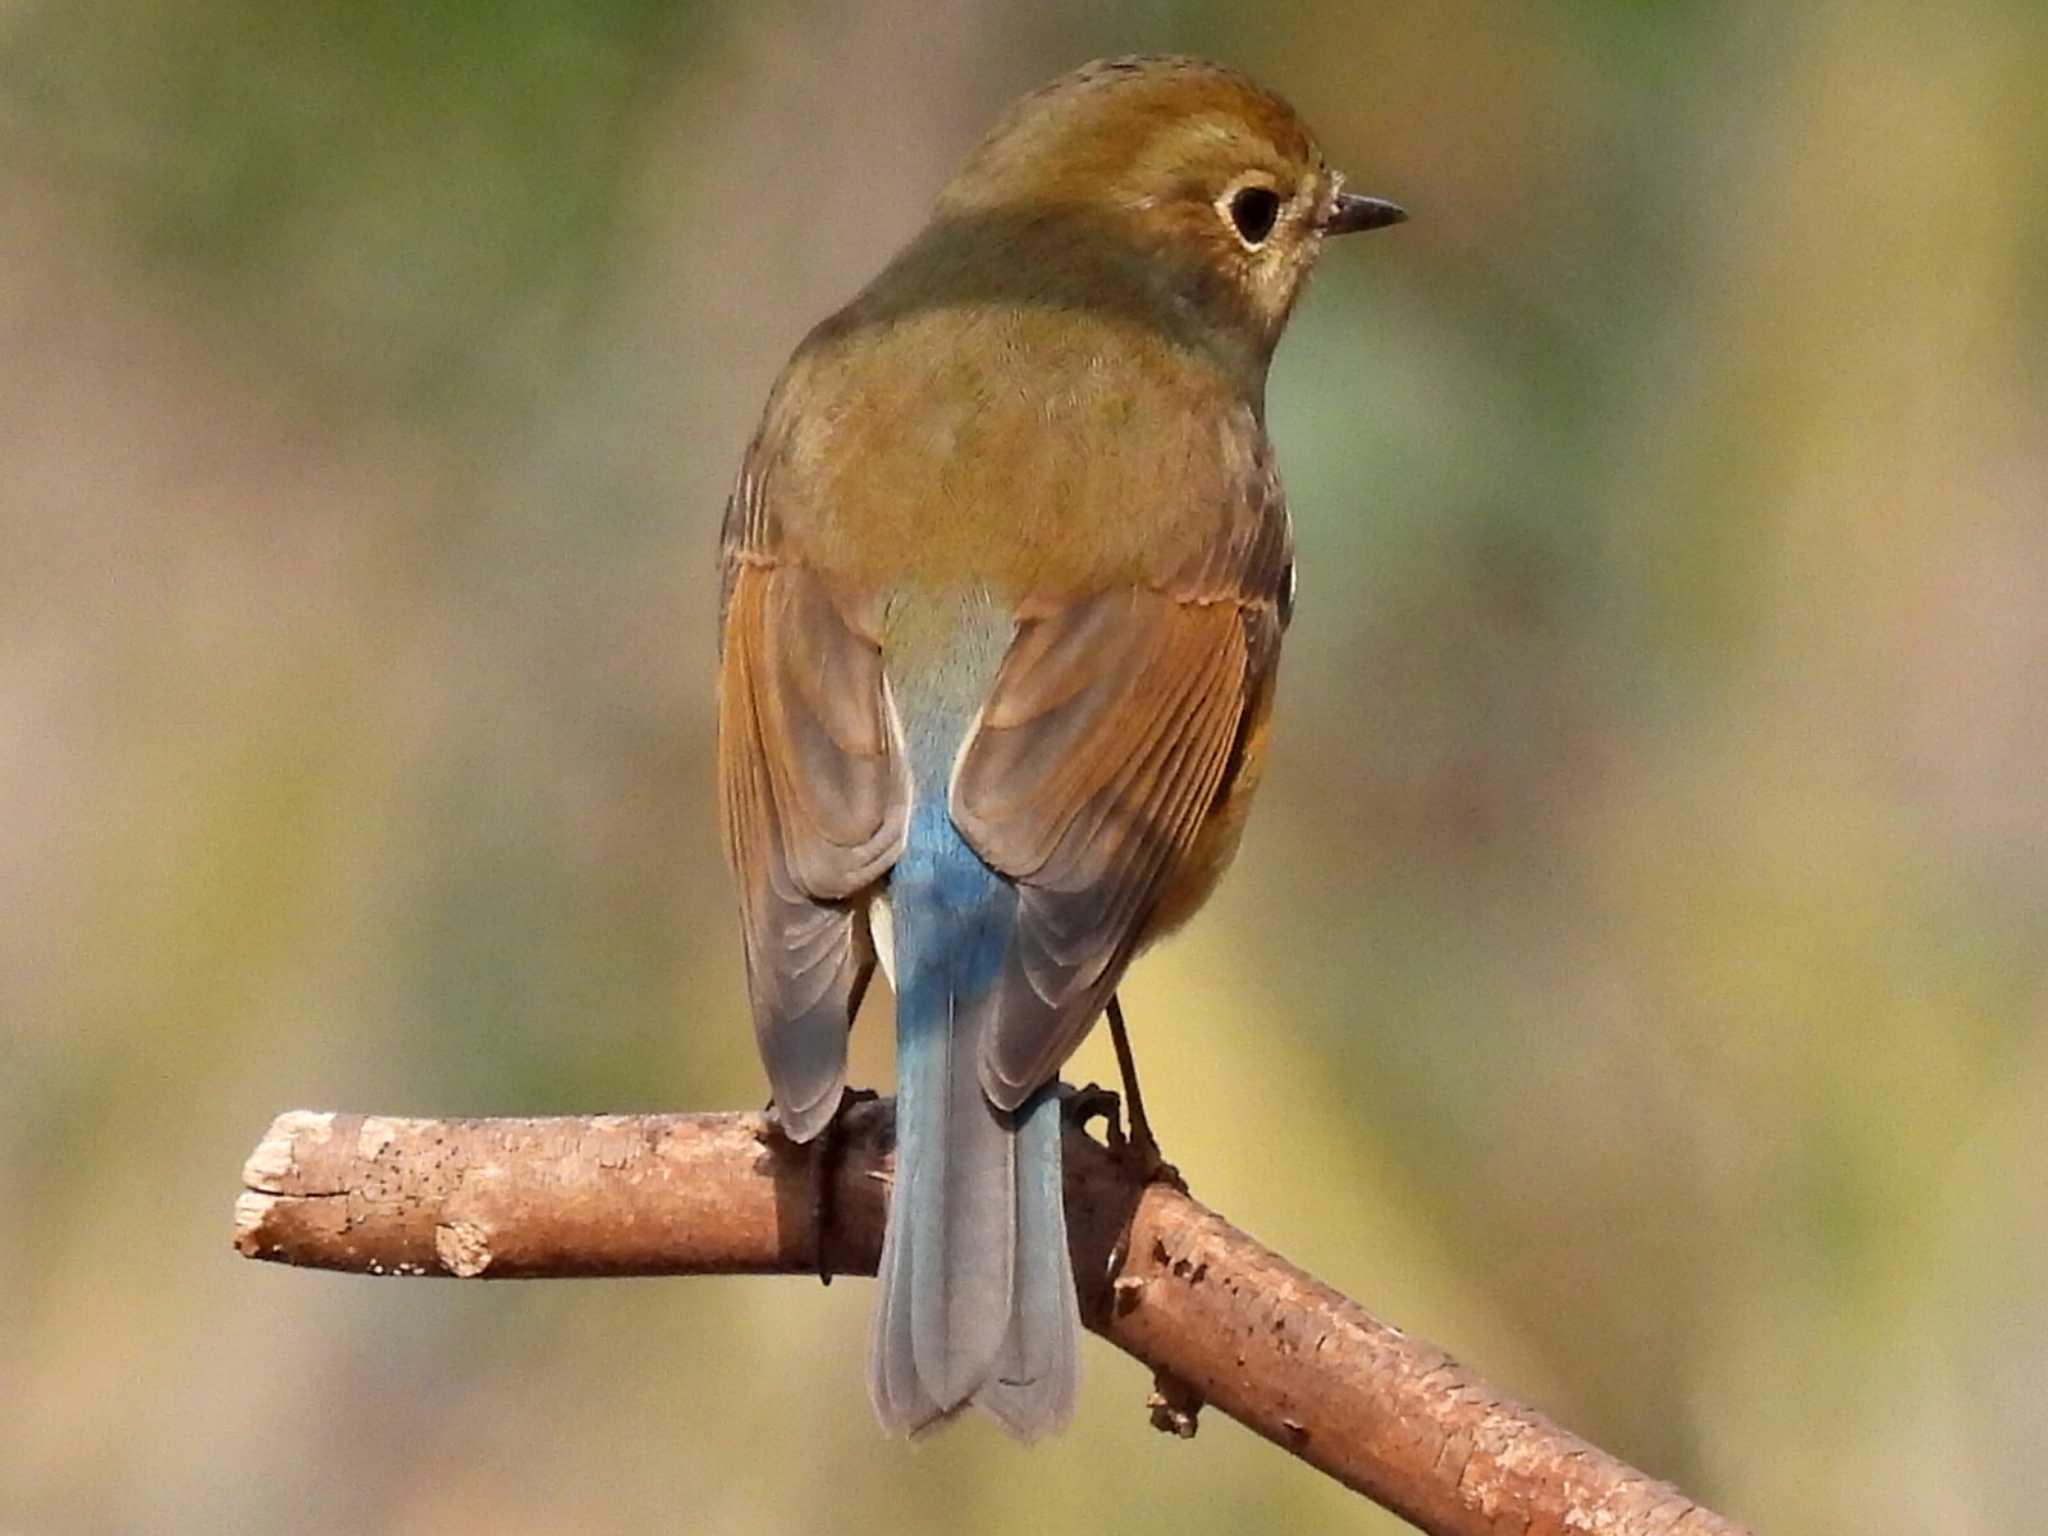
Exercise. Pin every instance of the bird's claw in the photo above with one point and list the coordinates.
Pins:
(1095, 1102)
(1143, 1155)
(1135, 1148)
(831, 1150)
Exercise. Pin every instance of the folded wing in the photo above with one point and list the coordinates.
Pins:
(816, 804)
(1108, 735)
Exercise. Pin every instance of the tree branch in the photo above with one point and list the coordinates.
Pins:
(1218, 1318)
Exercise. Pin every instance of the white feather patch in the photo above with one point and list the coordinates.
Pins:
(882, 925)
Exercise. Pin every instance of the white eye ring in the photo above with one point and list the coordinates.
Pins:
(1252, 209)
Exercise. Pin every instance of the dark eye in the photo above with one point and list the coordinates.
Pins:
(1253, 210)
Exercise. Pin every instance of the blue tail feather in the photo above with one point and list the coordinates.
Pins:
(1037, 1376)
(977, 1296)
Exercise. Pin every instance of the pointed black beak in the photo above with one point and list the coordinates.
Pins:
(1351, 214)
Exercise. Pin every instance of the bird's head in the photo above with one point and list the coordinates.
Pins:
(1207, 182)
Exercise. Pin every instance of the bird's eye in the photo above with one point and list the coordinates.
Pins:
(1253, 212)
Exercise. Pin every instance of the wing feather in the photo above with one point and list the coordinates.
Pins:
(1103, 745)
(816, 808)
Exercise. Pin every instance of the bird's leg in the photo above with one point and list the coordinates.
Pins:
(831, 1148)
(1127, 1069)
(1143, 1146)
(831, 1152)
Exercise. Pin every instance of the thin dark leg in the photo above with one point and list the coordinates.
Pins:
(825, 1158)
(831, 1150)
(1127, 1069)
(831, 1155)
(1143, 1145)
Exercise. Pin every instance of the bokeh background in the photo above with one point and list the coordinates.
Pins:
(1637, 973)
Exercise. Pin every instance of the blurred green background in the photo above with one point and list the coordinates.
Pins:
(1636, 976)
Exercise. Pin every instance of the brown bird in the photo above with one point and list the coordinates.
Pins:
(1004, 581)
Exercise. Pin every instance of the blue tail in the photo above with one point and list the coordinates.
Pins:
(977, 1292)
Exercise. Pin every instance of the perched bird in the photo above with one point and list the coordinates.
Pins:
(1004, 580)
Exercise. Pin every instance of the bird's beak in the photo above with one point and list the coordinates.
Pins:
(1353, 213)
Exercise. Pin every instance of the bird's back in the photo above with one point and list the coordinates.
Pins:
(1027, 451)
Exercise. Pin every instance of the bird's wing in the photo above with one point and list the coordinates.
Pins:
(1114, 724)
(816, 800)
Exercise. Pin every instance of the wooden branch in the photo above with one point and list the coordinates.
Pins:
(1218, 1318)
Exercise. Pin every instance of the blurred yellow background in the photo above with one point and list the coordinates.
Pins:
(1636, 976)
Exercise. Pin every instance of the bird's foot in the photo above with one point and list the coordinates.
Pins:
(1135, 1148)
(828, 1152)
(1095, 1102)
(1143, 1154)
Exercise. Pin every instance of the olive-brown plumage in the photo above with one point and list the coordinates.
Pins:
(1005, 578)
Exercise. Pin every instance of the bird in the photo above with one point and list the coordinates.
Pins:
(1003, 581)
